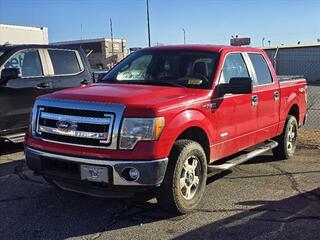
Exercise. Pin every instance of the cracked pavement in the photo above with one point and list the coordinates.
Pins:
(261, 199)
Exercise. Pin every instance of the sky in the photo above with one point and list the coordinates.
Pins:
(205, 21)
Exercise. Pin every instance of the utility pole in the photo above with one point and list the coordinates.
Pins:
(111, 33)
(148, 23)
(184, 36)
(81, 32)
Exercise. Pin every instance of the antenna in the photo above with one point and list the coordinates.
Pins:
(148, 23)
(111, 33)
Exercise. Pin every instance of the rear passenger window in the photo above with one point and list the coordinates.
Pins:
(234, 66)
(261, 68)
(64, 62)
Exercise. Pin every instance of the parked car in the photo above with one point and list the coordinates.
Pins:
(161, 119)
(27, 71)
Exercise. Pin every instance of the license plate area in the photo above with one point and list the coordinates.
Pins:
(94, 173)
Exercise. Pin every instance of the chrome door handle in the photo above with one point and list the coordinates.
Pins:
(254, 100)
(276, 95)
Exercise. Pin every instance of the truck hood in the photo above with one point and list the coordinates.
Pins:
(157, 98)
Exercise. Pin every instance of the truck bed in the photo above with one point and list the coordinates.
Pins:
(286, 78)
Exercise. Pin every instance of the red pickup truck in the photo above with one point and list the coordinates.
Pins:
(160, 120)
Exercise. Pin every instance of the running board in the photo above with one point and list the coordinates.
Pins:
(15, 138)
(270, 144)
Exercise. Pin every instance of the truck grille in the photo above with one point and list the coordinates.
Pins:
(75, 124)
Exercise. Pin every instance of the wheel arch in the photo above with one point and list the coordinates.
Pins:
(191, 124)
(294, 111)
(198, 135)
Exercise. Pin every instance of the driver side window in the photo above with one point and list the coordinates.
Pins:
(234, 66)
(28, 61)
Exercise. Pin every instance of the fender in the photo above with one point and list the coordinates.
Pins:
(184, 120)
(289, 102)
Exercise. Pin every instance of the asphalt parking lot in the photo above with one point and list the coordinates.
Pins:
(262, 199)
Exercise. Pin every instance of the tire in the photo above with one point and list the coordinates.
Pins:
(287, 140)
(184, 183)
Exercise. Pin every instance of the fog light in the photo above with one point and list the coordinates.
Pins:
(134, 174)
(130, 174)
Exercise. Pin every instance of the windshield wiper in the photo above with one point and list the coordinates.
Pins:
(150, 82)
(165, 83)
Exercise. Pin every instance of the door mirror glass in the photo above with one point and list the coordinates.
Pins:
(9, 73)
(236, 85)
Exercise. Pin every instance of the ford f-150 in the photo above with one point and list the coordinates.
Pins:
(160, 120)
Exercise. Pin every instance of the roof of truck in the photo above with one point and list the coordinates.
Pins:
(209, 48)
(14, 47)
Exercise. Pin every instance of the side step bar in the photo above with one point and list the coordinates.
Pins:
(270, 144)
(15, 138)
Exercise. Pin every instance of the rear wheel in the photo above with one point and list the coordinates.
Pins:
(287, 140)
(185, 180)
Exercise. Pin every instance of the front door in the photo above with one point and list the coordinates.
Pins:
(17, 95)
(235, 115)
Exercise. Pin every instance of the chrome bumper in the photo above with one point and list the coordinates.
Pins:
(151, 171)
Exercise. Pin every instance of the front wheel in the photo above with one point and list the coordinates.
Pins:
(287, 140)
(185, 180)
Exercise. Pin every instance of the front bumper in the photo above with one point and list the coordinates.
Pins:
(151, 171)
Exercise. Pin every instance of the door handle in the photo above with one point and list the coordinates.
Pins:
(84, 82)
(43, 85)
(276, 96)
(254, 100)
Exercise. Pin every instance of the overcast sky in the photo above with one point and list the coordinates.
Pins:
(205, 21)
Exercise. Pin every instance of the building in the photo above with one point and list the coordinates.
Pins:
(101, 53)
(15, 34)
(297, 60)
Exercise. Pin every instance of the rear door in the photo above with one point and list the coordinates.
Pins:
(266, 91)
(18, 95)
(67, 68)
(235, 116)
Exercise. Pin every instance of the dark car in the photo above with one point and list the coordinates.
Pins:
(27, 71)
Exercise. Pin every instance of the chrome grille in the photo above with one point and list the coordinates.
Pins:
(77, 123)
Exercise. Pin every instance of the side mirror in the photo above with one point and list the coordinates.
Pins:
(237, 85)
(9, 73)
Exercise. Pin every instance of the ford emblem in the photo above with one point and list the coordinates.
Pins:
(65, 125)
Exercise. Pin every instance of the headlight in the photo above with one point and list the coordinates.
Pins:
(140, 129)
(31, 120)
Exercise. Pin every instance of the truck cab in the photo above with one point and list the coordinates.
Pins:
(28, 71)
(159, 121)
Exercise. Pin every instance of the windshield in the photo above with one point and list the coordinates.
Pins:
(192, 69)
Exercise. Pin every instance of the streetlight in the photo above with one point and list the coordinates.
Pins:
(148, 23)
(269, 43)
(184, 36)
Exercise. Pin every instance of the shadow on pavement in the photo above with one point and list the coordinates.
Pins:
(11, 167)
(296, 217)
(32, 209)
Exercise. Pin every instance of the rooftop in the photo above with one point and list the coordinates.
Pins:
(95, 40)
(292, 46)
(20, 27)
